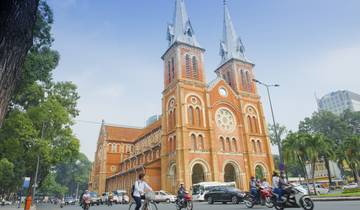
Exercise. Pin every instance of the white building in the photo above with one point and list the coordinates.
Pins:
(339, 101)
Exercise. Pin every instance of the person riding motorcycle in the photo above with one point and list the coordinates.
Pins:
(254, 188)
(110, 198)
(279, 184)
(86, 198)
(181, 193)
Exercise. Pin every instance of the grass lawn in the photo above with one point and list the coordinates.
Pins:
(341, 194)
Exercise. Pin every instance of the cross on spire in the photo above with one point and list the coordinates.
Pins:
(231, 45)
(181, 30)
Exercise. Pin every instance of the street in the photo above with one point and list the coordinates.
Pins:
(330, 205)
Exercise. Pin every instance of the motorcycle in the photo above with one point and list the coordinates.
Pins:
(265, 198)
(295, 197)
(109, 202)
(184, 203)
(86, 203)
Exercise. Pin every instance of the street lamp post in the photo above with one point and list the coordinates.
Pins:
(273, 119)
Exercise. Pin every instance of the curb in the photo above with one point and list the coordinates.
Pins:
(335, 198)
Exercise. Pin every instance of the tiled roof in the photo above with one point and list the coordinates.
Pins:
(129, 134)
(116, 133)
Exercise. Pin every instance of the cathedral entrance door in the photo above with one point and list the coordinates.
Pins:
(198, 174)
(230, 174)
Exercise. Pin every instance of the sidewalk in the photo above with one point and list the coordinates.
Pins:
(337, 198)
(15, 207)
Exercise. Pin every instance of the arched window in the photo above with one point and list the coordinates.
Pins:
(256, 125)
(248, 81)
(259, 146)
(187, 63)
(113, 148)
(254, 146)
(198, 116)
(170, 120)
(229, 77)
(191, 115)
(169, 71)
(222, 144)
(250, 124)
(193, 141)
(201, 142)
(174, 119)
(228, 144)
(235, 149)
(243, 80)
(195, 68)
(173, 67)
(174, 144)
(118, 148)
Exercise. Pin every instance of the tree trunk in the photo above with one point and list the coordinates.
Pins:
(306, 177)
(327, 166)
(313, 175)
(17, 19)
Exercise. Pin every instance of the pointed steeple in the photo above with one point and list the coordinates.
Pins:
(231, 45)
(181, 30)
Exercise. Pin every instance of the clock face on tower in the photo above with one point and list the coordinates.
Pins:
(225, 119)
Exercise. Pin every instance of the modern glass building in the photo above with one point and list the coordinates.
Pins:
(339, 101)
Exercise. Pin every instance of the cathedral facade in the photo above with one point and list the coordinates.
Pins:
(212, 131)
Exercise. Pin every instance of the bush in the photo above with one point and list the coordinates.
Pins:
(352, 190)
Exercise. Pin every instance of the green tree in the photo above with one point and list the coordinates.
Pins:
(281, 131)
(352, 155)
(51, 187)
(331, 128)
(6, 175)
(42, 111)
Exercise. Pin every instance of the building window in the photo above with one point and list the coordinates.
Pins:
(195, 68)
(228, 144)
(201, 142)
(229, 77)
(254, 146)
(187, 63)
(173, 67)
(174, 119)
(222, 144)
(248, 81)
(174, 144)
(113, 148)
(259, 146)
(169, 72)
(193, 141)
(250, 124)
(256, 125)
(198, 116)
(191, 115)
(234, 145)
(243, 80)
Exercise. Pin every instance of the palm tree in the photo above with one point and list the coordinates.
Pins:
(352, 155)
(294, 149)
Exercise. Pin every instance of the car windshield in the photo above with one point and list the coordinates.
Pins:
(93, 194)
(232, 189)
(197, 189)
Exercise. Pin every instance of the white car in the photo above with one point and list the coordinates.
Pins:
(351, 186)
(162, 196)
(319, 189)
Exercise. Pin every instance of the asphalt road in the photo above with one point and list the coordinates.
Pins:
(327, 205)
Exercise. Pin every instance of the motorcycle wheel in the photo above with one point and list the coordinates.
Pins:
(249, 202)
(268, 202)
(307, 204)
(189, 205)
(234, 200)
(279, 206)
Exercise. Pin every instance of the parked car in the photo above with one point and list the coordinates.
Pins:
(5, 202)
(224, 195)
(350, 186)
(319, 189)
(162, 196)
(94, 199)
(69, 201)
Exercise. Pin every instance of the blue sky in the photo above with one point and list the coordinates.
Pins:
(111, 49)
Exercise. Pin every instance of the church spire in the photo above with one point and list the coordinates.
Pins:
(231, 45)
(181, 30)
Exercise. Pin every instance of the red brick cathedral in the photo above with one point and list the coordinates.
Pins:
(207, 131)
